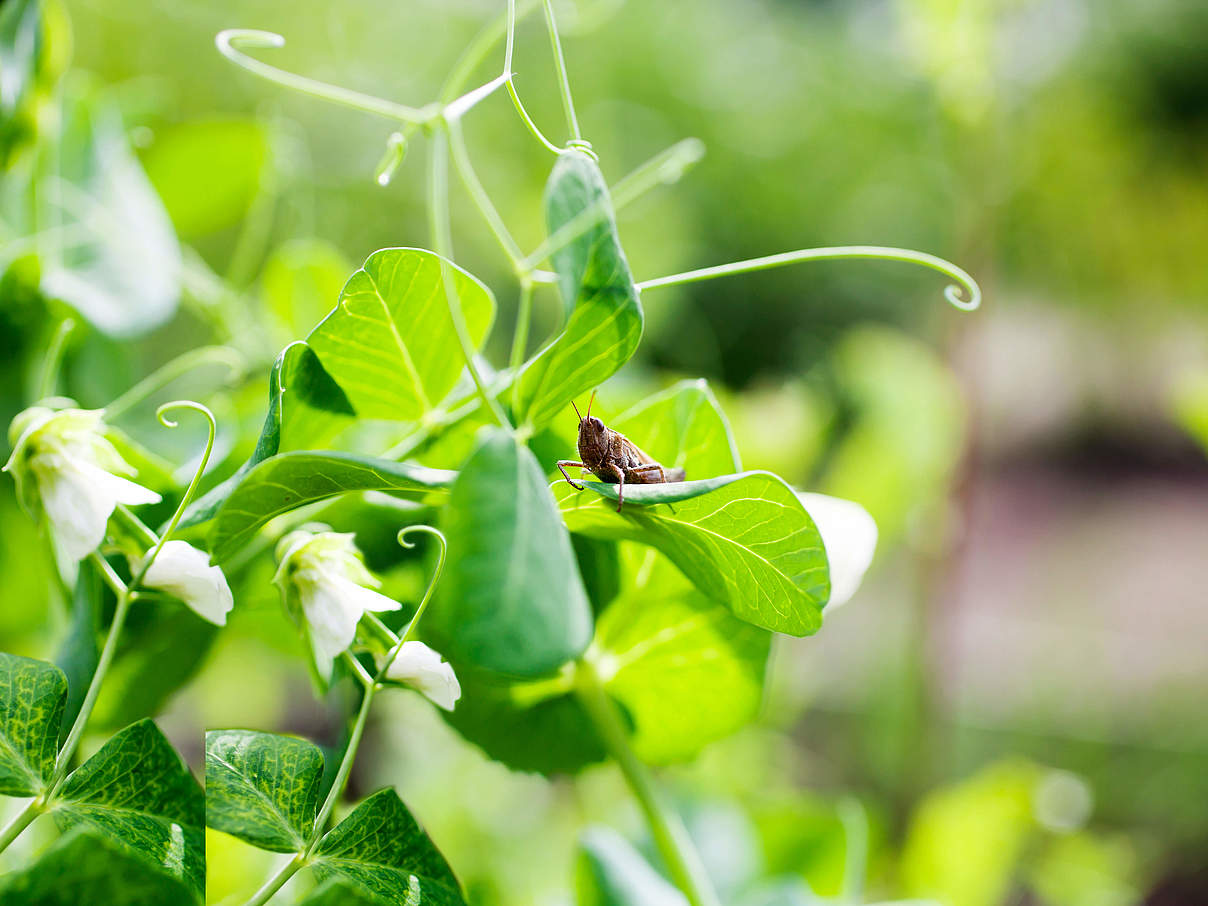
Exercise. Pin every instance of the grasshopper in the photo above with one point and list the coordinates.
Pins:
(614, 458)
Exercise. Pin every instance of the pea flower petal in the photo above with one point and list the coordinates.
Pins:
(185, 572)
(849, 534)
(419, 666)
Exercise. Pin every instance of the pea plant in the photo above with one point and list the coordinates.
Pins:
(557, 628)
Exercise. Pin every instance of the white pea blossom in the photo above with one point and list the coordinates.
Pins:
(849, 535)
(324, 574)
(185, 572)
(420, 667)
(65, 468)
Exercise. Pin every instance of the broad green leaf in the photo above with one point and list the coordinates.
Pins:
(262, 788)
(305, 409)
(136, 791)
(605, 323)
(32, 694)
(301, 283)
(78, 652)
(744, 540)
(381, 849)
(290, 480)
(390, 341)
(511, 599)
(610, 872)
(86, 868)
(124, 274)
(207, 172)
(683, 427)
(162, 647)
(662, 657)
(337, 891)
(600, 566)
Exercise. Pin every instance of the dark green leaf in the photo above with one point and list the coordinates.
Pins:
(262, 788)
(78, 652)
(390, 342)
(32, 694)
(231, 153)
(85, 868)
(511, 600)
(287, 481)
(600, 566)
(124, 275)
(744, 540)
(610, 872)
(337, 891)
(136, 791)
(605, 323)
(382, 850)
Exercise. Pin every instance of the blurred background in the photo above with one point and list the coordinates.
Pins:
(1012, 709)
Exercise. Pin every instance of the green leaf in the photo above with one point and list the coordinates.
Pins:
(381, 849)
(744, 540)
(136, 791)
(20, 50)
(301, 282)
(231, 153)
(78, 652)
(85, 868)
(511, 600)
(262, 788)
(605, 323)
(610, 872)
(290, 480)
(662, 657)
(683, 427)
(124, 274)
(390, 342)
(32, 694)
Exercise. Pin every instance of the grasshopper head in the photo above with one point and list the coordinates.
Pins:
(593, 436)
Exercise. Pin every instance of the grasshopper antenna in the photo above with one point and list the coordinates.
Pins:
(589, 402)
(572, 402)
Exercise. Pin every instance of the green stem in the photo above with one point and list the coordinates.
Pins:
(49, 377)
(178, 367)
(524, 317)
(337, 785)
(442, 240)
(952, 293)
(469, 178)
(19, 823)
(670, 835)
(277, 881)
(63, 761)
(516, 102)
(568, 102)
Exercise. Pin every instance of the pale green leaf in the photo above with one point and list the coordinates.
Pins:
(381, 849)
(683, 427)
(32, 695)
(511, 600)
(262, 787)
(301, 283)
(136, 791)
(605, 322)
(390, 342)
(290, 480)
(744, 540)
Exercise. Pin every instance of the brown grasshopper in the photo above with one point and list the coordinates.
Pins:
(614, 458)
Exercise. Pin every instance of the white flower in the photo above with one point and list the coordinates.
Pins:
(419, 666)
(323, 571)
(849, 535)
(185, 572)
(66, 468)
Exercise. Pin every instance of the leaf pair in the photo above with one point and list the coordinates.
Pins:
(265, 789)
(135, 791)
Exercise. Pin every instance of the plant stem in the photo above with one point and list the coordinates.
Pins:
(442, 240)
(51, 364)
(568, 102)
(277, 881)
(524, 317)
(94, 687)
(19, 823)
(469, 178)
(670, 835)
(952, 293)
(337, 785)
